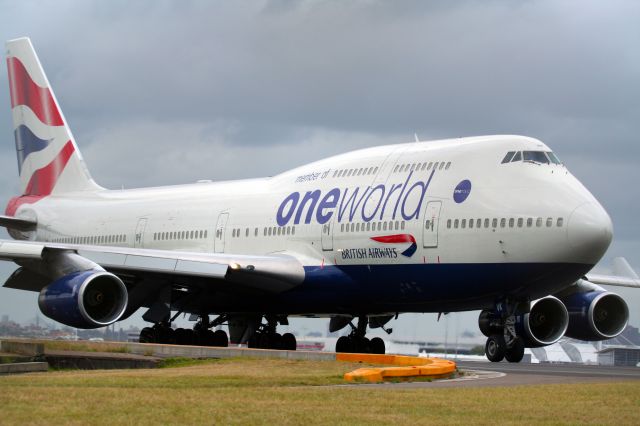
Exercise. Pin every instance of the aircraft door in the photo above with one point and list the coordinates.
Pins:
(327, 236)
(431, 221)
(138, 240)
(218, 241)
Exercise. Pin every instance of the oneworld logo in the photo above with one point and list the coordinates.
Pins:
(357, 204)
(462, 191)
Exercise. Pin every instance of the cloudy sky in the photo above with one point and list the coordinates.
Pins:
(161, 92)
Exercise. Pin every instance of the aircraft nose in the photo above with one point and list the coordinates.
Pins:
(590, 231)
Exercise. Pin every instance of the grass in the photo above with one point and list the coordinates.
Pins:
(62, 345)
(250, 391)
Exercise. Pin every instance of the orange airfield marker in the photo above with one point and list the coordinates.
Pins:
(403, 367)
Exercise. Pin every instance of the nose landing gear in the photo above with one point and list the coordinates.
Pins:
(502, 339)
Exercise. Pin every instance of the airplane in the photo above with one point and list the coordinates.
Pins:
(490, 223)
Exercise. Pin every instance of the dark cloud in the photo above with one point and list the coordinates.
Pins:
(190, 89)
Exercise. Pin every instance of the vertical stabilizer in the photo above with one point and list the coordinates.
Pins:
(49, 161)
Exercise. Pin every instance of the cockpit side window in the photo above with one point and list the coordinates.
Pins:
(554, 159)
(508, 157)
(517, 157)
(535, 156)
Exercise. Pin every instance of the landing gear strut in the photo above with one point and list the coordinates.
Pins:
(266, 336)
(502, 339)
(357, 342)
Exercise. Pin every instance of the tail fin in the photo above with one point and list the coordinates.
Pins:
(49, 161)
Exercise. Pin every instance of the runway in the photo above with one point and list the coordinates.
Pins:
(486, 374)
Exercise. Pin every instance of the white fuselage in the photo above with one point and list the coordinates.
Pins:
(512, 213)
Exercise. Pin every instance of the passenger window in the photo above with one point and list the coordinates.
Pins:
(357, 227)
(478, 223)
(384, 226)
(511, 222)
(435, 166)
(427, 224)
(494, 222)
(539, 222)
(397, 225)
(342, 227)
(441, 165)
(448, 165)
(448, 223)
(529, 222)
(517, 157)
(508, 157)
(549, 222)
(293, 230)
(375, 170)
(463, 223)
(424, 166)
(470, 223)
(402, 225)
(520, 222)
(559, 223)
(456, 223)
(486, 223)
(368, 226)
(503, 222)
(269, 232)
(264, 232)
(429, 166)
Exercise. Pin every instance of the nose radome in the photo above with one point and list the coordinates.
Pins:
(590, 231)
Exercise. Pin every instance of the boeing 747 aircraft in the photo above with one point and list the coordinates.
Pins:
(491, 223)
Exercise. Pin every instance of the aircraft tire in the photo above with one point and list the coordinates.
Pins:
(264, 341)
(147, 335)
(289, 342)
(343, 344)
(377, 346)
(275, 341)
(363, 346)
(516, 352)
(495, 348)
(220, 339)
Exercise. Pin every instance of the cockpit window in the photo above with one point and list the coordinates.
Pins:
(535, 157)
(554, 159)
(517, 157)
(508, 157)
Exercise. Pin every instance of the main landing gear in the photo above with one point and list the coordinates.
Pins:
(266, 337)
(502, 340)
(200, 335)
(357, 342)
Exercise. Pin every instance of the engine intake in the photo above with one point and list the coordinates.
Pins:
(596, 315)
(86, 299)
(545, 323)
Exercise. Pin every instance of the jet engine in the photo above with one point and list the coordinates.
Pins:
(85, 299)
(544, 324)
(595, 314)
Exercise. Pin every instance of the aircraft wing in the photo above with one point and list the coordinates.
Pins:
(624, 276)
(269, 273)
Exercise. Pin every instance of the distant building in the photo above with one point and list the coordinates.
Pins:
(620, 356)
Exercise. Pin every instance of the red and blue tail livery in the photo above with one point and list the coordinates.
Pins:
(48, 159)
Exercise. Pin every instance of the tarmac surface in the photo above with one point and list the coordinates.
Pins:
(485, 374)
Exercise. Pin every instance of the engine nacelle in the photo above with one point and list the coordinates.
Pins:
(595, 315)
(86, 299)
(544, 324)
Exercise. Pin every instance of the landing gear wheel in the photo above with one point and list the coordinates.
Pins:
(495, 348)
(516, 352)
(363, 346)
(147, 335)
(220, 339)
(253, 341)
(264, 341)
(377, 346)
(289, 342)
(343, 344)
(275, 342)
